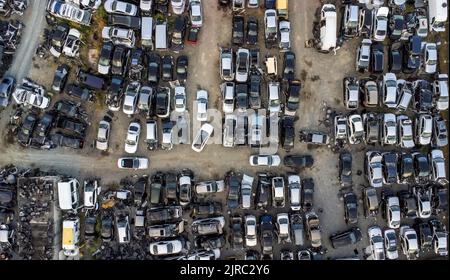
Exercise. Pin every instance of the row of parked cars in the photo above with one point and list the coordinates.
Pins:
(419, 95)
(392, 130)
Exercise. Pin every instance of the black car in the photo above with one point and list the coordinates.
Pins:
(396, 24)
(64, 140)
(140, 191)
(91, 81)
(161, 6)
(411, 54)
(125, 21)
(269, 4)
(43, 128)
(346, 238)
(79, 92)
(238, 30)
(170, 188)
(440, 199)
(156, 184)
(345, 169)
(182, 68)
(67, 108)
(234, 187)
(425, 233)
(406, 169)
(115, 93)
(254, 97)
(423, 96)
(58, 37)
(72, 125)
(27, 128)
(252, 31)
(289, 66)
(254, 59)
(408, 204)
(167, 68)
(264, 188)
(236, 237)
(287, 135)
(421, 168)
(293, 95)
(162, 101)
(298, 161)
(60, 78)
(107, 228)
(120, 61)
(267, 235)
(389, 167)
(210, 242)
(154, 68)
(207, 209)
(241, 96)
(377, 60)
(90, 224)
(350, 208)
(138, 61)
(395, 61)
(307, 194)
(178, 33)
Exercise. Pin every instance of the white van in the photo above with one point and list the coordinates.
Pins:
(68, 195)
(152, 135)
(161, 36)
(437, 15)
(328, 23)
(147, 32)
(70, 236)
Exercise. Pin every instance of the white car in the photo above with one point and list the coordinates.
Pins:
(91, 192)
(405, 132)
(340, 127)
(72, 44)
(104, 61)
(196, 13)
(423, 198)
(119, 36)
(250, 231)
(389, 90)
(294, 185)
(393, 212)
(28, 97)
(178, 6)
(131, 98)
(273, 92)
(202, 137)
(282, 226)
(424, 129)
(438, 170)
(376, 243)
(374, 169)
(120, 7)
(265, 160)
(132, 140)
(440, 91)
(209, 187)
(422, 26)
(430, 58)
(351, 93)
(226, 64)
(146, 5)
(180, 99)
(270, 23)
(363, 55)
(389, 129)
(285, 30)
(135, 163)
(103, 135)
(69, 11)
(228, 97)
(202, 105)
(380, 24)
(390, 244)
(409, 242)
(355, 129)
(246, 191)
(166, 247)
(242, 65)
